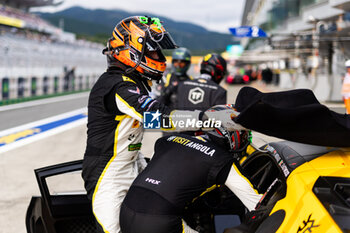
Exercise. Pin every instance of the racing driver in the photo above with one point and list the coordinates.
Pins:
(116, 105)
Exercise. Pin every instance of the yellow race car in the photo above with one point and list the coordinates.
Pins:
(307, 189)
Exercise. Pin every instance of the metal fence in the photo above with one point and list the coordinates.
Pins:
(34, 67)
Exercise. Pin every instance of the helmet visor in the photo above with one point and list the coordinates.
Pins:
(167, 42)
(161, 41)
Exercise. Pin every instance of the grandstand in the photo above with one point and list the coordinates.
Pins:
(38, 58)
(26, 4)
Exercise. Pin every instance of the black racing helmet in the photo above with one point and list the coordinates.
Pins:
(214, 65)
(182, 55)
(232, 140)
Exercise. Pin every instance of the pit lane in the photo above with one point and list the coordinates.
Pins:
(17, 178)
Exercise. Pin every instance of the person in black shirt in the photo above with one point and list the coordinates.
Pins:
(181, 62)
(182, 168)
(203, 92)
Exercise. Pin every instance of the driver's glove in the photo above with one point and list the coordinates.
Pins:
(141, 162)
(223, 114)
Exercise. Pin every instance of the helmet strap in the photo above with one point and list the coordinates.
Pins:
(130, 70)
(109, 50)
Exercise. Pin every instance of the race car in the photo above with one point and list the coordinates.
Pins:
(307, 189)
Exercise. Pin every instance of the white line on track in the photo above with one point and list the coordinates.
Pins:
(43, 121)
(45, 134)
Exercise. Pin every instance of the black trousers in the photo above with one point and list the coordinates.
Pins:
(134, 222)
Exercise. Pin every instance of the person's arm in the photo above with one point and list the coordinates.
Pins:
(166, 94)
(242, 188)
(131, 102)
(164, 89)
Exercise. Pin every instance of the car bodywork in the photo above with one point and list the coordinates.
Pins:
(307, 188)
(320, 192)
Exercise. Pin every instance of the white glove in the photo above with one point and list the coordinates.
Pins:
(225, 116)
(141, 162)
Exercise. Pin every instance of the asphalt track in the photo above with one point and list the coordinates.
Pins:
(26, 112)
(60, 144)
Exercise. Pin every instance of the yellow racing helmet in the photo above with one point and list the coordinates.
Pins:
(137, 44)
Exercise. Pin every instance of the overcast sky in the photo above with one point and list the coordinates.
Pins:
(214, 15)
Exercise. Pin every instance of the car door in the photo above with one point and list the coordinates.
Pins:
(63, 205)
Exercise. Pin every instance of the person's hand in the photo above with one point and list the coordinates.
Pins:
(223, 114)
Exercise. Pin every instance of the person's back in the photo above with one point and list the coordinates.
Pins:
(199, 94)
(182, 169)
(205, 91)
(171, 172)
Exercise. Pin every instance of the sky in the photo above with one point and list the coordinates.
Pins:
(216, 15)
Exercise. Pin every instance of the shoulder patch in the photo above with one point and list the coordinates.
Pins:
(127, 79)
